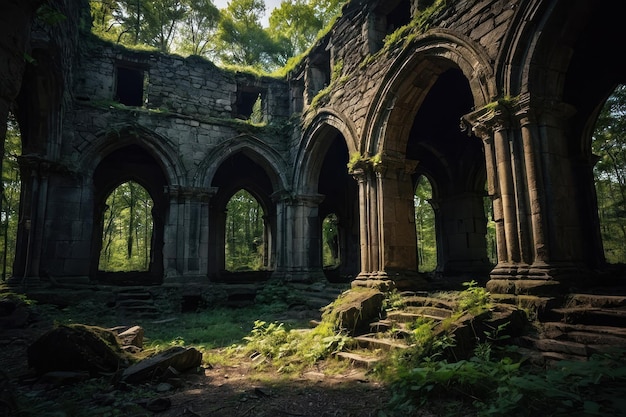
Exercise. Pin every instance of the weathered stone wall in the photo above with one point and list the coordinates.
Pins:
(367, 90)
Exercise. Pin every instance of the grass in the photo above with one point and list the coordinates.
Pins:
(493, 382)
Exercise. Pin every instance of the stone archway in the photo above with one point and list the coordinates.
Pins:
(412, 132)
(124, 164)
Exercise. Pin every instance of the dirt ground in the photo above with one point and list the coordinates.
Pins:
(221, 390)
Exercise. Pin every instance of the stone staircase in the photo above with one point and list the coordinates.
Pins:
(585, 325)
(574, 329)
(135, 302)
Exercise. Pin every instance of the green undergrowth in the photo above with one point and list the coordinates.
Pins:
(495, 380)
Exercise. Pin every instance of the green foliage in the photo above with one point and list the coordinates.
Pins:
(11, 185)
(474, 299)
(257, 112)
(425, 226)
(330, 251)
(244, 233)
(289, 351)
(49, 15)
(127, 229)
(504, 387)
(609, 144)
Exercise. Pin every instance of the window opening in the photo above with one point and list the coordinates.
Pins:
(244, 233)
(249, 104)
(490, 236)
(609, 146)
(130, 86)
(330, 235)
(399, 16)
(10, 203)
(127, 229)
(425, 226)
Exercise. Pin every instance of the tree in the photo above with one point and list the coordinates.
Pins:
(127, 229)
(11, 184)
(244, 233)
(162, 19)
(240, 39)
(609, 144)
(425, 226)
(198, 27)
(293, 27)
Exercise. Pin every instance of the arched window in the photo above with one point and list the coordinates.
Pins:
(609, 146)
(245, 237)
(127, 229)
(425, 226)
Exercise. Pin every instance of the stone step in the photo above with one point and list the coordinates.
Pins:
(431, 312)
(612, 335)
(565, 348)
(372, 341)
(597, 300)
(406, 317)
(134, 303)
(423, 301)
(590, 316)
(134, 295)
(363, 361)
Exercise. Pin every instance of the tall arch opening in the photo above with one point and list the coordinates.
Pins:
(338, 211)
(127, 229)
(609, 148)
(453, 163)
(127, 171)
(242, 220)
(245, 234)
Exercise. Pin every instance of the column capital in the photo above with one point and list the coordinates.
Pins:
(487, 120)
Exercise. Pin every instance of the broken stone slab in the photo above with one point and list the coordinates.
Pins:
(154, 368)
(13, 314)
(132, 337)
(354, 310)
(77, 348)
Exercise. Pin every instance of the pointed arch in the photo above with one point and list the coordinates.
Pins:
(254, 148)
(123, 135)
(412, 74)
(312, 148)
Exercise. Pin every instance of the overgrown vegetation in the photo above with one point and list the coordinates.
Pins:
(492, 382)
(233, 36)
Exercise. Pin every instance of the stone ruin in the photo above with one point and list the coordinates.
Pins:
(484, 98)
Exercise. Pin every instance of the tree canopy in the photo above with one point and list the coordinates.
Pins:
(231, 36)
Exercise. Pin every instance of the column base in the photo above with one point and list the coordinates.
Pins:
(545, 279)
(390, 280)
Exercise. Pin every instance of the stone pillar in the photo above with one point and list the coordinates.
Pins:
(186, 234)
(299, 234)
(531, 185)
(388, 240)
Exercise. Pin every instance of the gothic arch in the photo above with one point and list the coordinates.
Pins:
(408, 81)
(118, 137)
(130, 163)
(314, 146)
(255, 149)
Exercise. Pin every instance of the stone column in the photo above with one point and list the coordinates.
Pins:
(186, 234)
(299, 244)
(388, 240)
(530, 181)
